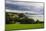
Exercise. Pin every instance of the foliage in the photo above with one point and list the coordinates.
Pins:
(12, 18)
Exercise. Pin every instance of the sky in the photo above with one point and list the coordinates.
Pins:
(31, 8)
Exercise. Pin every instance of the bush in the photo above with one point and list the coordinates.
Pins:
(27, 21)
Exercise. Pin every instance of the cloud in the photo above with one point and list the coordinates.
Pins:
(33, 8)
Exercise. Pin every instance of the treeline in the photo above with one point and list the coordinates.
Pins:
(12, 18)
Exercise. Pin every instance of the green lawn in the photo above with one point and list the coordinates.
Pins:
(23, 26)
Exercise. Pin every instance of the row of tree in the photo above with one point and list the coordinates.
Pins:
(12, 18)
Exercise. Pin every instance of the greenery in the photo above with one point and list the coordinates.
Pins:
(23, 26)
(24, 22)
(12, 18)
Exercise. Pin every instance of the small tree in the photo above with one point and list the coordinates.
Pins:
(37, 21)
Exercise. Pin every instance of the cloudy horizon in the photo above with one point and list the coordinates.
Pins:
(25, 7)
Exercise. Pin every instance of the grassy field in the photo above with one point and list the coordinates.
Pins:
(23, 26)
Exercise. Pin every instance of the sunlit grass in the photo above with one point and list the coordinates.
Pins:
(23, 26)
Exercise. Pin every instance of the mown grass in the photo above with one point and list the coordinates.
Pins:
(23, 26)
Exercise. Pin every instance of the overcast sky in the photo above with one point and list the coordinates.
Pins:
(22, 7)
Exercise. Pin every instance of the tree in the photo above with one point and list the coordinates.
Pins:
(7, 18)
(21, 15)
(37, 21)
(27, 21)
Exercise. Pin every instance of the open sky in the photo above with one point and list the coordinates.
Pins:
(31, 8)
